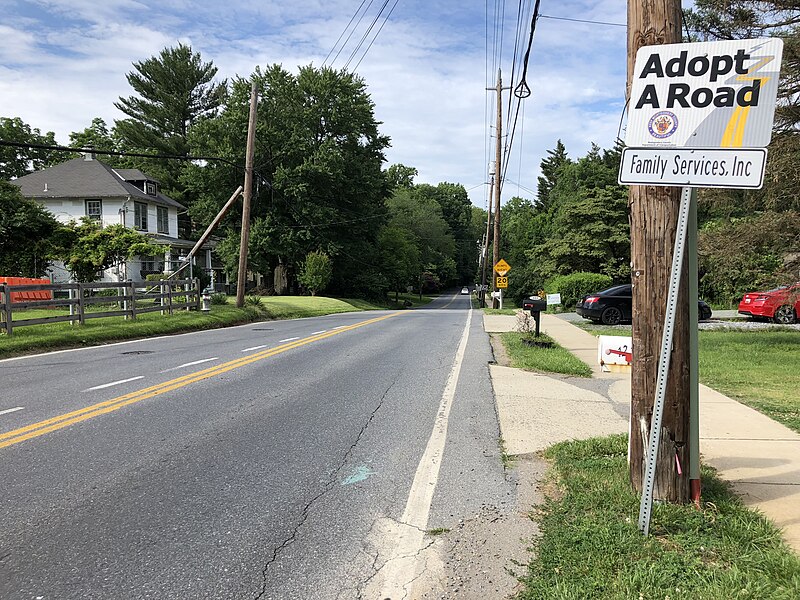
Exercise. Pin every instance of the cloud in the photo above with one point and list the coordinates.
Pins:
(64, 62)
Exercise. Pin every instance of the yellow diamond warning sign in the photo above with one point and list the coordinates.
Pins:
(502, 267)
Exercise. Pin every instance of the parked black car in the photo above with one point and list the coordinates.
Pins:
(614, 305)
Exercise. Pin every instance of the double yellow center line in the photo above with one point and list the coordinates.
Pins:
(42, 427)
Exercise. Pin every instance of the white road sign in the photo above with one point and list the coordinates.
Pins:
(704, 94)
(696, 167)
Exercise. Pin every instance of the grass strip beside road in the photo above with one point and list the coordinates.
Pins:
(552, 360)
(58, 336)
(590, 546)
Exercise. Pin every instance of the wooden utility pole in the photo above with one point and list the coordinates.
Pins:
(498, 184)
(246, 198)
(485, 251)
(654, 215)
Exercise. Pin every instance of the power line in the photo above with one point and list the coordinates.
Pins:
(360, 18)
(118, 153)
(389, 14)
(366, 33)
(584, 21)
(341, 35)
(522, 91)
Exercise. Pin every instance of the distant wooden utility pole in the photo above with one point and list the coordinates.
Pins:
(498, 184)
(485, 250)
(654, 216)
(244, 243)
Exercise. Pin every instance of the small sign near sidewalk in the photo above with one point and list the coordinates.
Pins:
(615, 353)
(553, 299)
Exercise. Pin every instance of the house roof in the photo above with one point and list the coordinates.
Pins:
(87, 178)
(134, 175)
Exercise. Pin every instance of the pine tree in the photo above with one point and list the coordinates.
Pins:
(556, 158)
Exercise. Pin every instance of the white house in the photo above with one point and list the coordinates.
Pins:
(87, 187)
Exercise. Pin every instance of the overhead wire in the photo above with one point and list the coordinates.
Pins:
(366, 34)
(521, 91)
(57, 148)
(375, 37)
(360, 18)
(583, 21)
(341, 35)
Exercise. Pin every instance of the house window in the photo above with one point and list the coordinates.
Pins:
(94, 210)
(140, 215)
(163, 219)
(150, 264)
(150, 188)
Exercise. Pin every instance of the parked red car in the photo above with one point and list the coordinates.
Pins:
(782, 304)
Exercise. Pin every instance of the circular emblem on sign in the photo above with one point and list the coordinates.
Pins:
(662, 124)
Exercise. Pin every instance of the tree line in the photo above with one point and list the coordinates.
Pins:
(320, 184)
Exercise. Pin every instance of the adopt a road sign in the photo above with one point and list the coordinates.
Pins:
(739, 168)
(705, 94)
(502, 267)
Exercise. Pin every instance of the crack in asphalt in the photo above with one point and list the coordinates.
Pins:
(326, 488)
(376, 569)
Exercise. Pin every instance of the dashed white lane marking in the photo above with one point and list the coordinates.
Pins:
(191, 364)
(288, 340)
(255, 348)
(401, 568)
(113, 383)
(339, 327)
(10, 410)
(318, 332)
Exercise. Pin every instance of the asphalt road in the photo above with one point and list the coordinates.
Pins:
(272, 460)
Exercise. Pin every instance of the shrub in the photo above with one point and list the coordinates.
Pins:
(253, 300)
(575, 285)
(219, 299)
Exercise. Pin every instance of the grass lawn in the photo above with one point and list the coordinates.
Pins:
(41, 338)
(590, 546)
(553, 360)
(500, 311)
(759, 368)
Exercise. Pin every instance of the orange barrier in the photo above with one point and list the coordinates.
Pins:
(28, 295)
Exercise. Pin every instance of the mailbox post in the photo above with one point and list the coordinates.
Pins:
(538, 304)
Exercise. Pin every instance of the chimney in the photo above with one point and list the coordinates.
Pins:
(88, 156)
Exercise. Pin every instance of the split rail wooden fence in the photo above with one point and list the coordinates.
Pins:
(132, 298)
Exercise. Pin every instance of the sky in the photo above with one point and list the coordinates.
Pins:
(64, 62)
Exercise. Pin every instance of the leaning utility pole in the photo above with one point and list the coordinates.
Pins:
(246, 198)
(654, 220)
(498, 184)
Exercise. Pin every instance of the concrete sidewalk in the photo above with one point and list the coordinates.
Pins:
(760, 457)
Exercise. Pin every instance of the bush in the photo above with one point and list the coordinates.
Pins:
(219, 299)
(574, 286)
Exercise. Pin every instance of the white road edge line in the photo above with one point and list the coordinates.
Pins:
(108, 385)
(255, 348)
(288, 340)
(191, 364)
(402, 566)
(10, 410)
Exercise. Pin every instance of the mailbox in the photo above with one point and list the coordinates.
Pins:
(537, 304)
